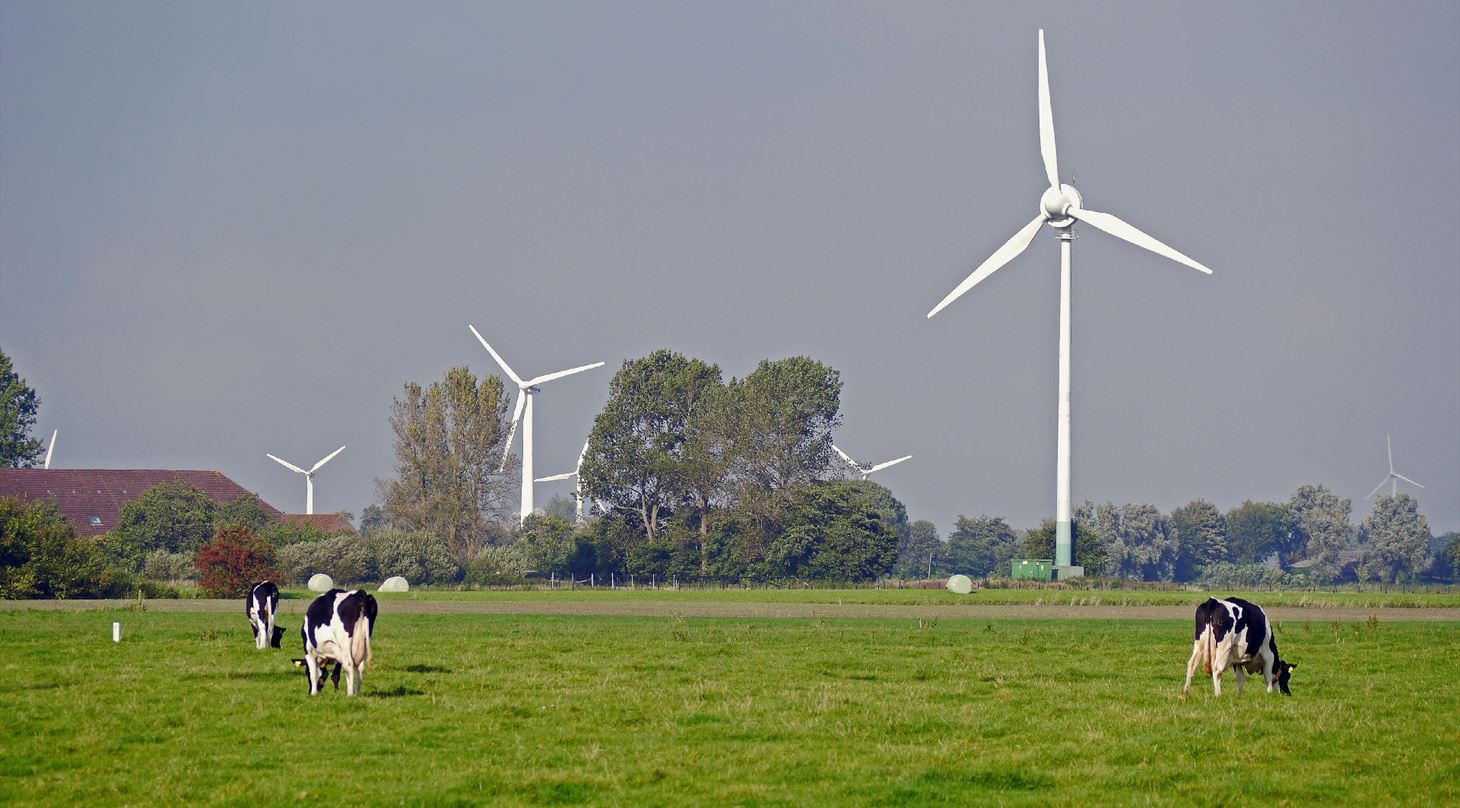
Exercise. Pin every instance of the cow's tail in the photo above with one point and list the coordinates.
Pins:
(1211, 650)
(360, 643)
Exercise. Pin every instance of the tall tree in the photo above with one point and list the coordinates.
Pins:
(1321, 530)
(839, 530)
(1397, 538)
(448, 443)
(1201, 533)
(18, 405)
(168, 517)
(1256, 530)
(637, 457)
(1139, 542)
(921, 553)
(977, 547)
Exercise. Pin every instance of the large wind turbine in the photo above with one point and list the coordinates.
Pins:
(523, 412)
(51, 448)
(577, 475)
(1060, 207)
(308, 475)
(1394, 476)
(866, 470)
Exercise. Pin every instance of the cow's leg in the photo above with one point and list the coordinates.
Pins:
(1191, 665)
(349, 677)
(311, 664)
(1267, 673)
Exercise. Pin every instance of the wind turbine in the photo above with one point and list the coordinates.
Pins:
(51, 448)
(523, 412)
(308, 475)
(1060, 207)
(575, 474)
(866, 470)
(1394, 476)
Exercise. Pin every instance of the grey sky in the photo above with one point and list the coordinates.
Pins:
(231, 229)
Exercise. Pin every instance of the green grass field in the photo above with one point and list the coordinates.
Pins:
(532, 710)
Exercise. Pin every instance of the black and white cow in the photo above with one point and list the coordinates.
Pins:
(1234, 633)
(337, 627)
(262, 604)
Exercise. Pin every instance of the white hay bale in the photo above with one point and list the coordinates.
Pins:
(319, 582)
(394, 584)
(960, 584)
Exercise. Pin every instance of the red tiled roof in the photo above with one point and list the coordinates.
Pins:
(330, 523)
(93, 498)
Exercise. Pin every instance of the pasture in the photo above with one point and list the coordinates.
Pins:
(511, 709)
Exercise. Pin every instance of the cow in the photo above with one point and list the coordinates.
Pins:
(337, 627)
(261, 606)
(1234, 633)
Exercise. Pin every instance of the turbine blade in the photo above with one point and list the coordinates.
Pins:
(327, 459)
(560, 374)
(854, 464)
(881, 466)
(515, 378)
(1001, 256)
(51, 448)
(1389, 444)
(512, 431)
(1124, 230)
(562, 476)
(1406, 479)
(1046, 121)
(285, 463)
(1377, 487)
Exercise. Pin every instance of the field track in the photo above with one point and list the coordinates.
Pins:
(631, 608)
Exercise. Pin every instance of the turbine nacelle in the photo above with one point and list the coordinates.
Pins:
(1056, 204)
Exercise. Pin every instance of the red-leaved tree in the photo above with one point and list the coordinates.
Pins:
(233, 561)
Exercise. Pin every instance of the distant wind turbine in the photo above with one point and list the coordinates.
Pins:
(1060, 207)
(523, 412)
(1394, 476)
(576, 475)
(866, 470)
(308, 475)
(51, 448)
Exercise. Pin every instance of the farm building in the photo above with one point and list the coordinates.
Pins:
(93, 498)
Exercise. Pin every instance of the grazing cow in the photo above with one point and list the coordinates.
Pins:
(262, 604)
(1233, 633)
(337, 627)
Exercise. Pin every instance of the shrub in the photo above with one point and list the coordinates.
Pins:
(497, 565)
(283, 534)
(233, 561)
(345, 558)
(418, 557)
(164, 566)
(1245, 576)
(42, 557)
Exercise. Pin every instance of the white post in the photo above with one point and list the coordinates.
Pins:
(527, 456)
(1062, 554)
(116, 632)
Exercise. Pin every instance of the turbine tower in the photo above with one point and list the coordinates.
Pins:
(308, 475)
(576, 475)
(1060, 207)
(1394, 476)
(523, 412)
(866, 470)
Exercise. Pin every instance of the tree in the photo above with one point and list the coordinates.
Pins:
(921, 552)
(840, 530)
(978, 547)
(1090, 550)
(18, 405)
(1449, 556)
(1321, 531)
(1201, 534)
(781, 420)
(1397, 537)
(420, 558)
(449, 439)
(1138, 541)
(233, 561)
(41, 556)
(245, 511)
(547, 544)
(636, 456)
(168, 517)
(1256, 530)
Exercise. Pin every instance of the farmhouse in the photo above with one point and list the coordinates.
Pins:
(93, 498)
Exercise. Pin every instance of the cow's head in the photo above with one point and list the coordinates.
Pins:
(1284, 671)
(278, 636)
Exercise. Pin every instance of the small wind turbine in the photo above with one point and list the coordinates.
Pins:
(51, 448)
(1060, 207)
(575, 474)
(308, 475)
(523, 412)
(866, 470)
(1394, 476)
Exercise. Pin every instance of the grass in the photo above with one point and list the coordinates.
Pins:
(534, 710)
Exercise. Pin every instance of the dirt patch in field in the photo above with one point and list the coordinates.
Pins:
(971, 611)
